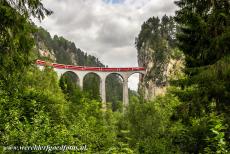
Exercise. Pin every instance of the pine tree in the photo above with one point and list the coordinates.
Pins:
(15, 38)
(204, 38)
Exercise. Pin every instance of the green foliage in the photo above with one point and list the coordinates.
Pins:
(204, 31)
(203, 38)
(177, 54)
(41, 115)
(149, 125)
(69, 85)
(207, 56)
(114, 91)
(216, 141)
(15, 44)
(92, 86)
(35, 114)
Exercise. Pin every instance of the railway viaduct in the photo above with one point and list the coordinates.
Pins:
(102, 72)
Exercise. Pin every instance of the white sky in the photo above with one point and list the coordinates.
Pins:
(104, 28)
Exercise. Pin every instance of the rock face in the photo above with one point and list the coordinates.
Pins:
(155, 83)
(157, 52)
(151, 85)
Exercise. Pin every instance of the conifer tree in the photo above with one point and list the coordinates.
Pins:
(204, 39)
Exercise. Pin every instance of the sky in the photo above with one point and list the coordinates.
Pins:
(104, 28)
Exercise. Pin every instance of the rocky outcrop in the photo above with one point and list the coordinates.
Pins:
(155, 83)
(157, 52)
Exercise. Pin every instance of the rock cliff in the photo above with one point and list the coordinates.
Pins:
(157, 52)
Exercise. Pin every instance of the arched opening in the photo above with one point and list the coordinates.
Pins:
(133, 84)
(114, 91)
(91, 85)
(69, 83)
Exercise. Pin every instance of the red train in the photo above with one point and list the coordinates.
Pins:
(86, 68)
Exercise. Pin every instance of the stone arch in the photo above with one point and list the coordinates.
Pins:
(132, 80)
(69, 77)
(92, 84)
(115, 73)
(137, 72)
(114, 90)
(92, 73)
